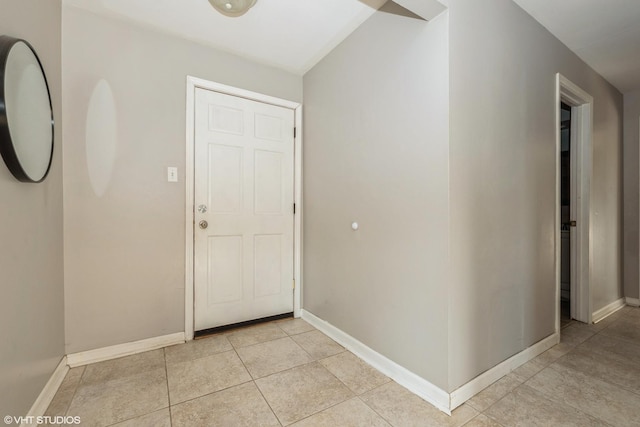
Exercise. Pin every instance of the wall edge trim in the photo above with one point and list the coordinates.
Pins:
(633, 302)
(416, 384)
(484, 380)
(120, 350)
(608, 310)
(50, 389)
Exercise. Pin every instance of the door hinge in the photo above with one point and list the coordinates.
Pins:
(294, 208)
(294, 283)
(295, 131)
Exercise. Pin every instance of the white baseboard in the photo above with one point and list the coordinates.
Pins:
(416, 384)
(106, 353)
(634, 302)
(439, 398)
(43, 401)
(484, 380)
(608, 310)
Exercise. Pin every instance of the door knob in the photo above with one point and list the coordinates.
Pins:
(203, 224)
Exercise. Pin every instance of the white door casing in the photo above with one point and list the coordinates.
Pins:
(581, 170)
(244, 221)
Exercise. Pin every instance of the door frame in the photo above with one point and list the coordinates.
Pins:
(192, 84)
(581, 172)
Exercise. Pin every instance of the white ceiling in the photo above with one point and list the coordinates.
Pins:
(289, 34)
(604, 33)
(295, 34)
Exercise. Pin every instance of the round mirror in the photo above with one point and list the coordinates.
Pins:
(26, 118)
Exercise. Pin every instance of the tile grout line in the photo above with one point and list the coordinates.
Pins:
(260, 342)
(267, 402)
(629, 341)
(75, 390)
(576, 349)
(210, 393)
(376, 412)
(486, 415)
(253, 380)
(373, 409)
(545, 395)
(553, 397)
(157, 410)
(339, 380)
(313, 360)
(500, 399)
(200, 358)
(521, 384)
(288, 334)
(203, 339)
(310, 355)
(296, 343)
(621, 317)
(166, 374)
(604, 380)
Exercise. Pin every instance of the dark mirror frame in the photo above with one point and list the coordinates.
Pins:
(7, 149)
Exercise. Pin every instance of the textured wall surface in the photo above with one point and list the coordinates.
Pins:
(31, 261)
(376, 152)
(503, 177)
(125, 89)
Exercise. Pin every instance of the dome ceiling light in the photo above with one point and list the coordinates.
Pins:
(232, 8)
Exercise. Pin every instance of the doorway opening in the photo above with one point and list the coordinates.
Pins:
(573, 184)
(565, 214)
(231, 257)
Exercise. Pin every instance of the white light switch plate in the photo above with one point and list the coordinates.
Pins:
(172, 174)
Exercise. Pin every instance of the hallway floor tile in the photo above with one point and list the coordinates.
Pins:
(287, 373)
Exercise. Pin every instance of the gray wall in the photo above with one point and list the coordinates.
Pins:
(630, 180)
(124, 223)
(375, 152)
(502, 162)
(31, 265)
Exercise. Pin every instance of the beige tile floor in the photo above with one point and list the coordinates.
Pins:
(287, 373)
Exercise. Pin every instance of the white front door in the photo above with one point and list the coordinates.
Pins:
(244, 171)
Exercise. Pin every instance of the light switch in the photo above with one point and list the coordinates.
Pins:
(172, 174)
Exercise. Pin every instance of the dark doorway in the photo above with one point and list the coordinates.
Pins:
(565, 214)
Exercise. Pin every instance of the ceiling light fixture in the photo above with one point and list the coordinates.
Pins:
(232, 8)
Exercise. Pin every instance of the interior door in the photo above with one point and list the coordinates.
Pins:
(243, 248)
